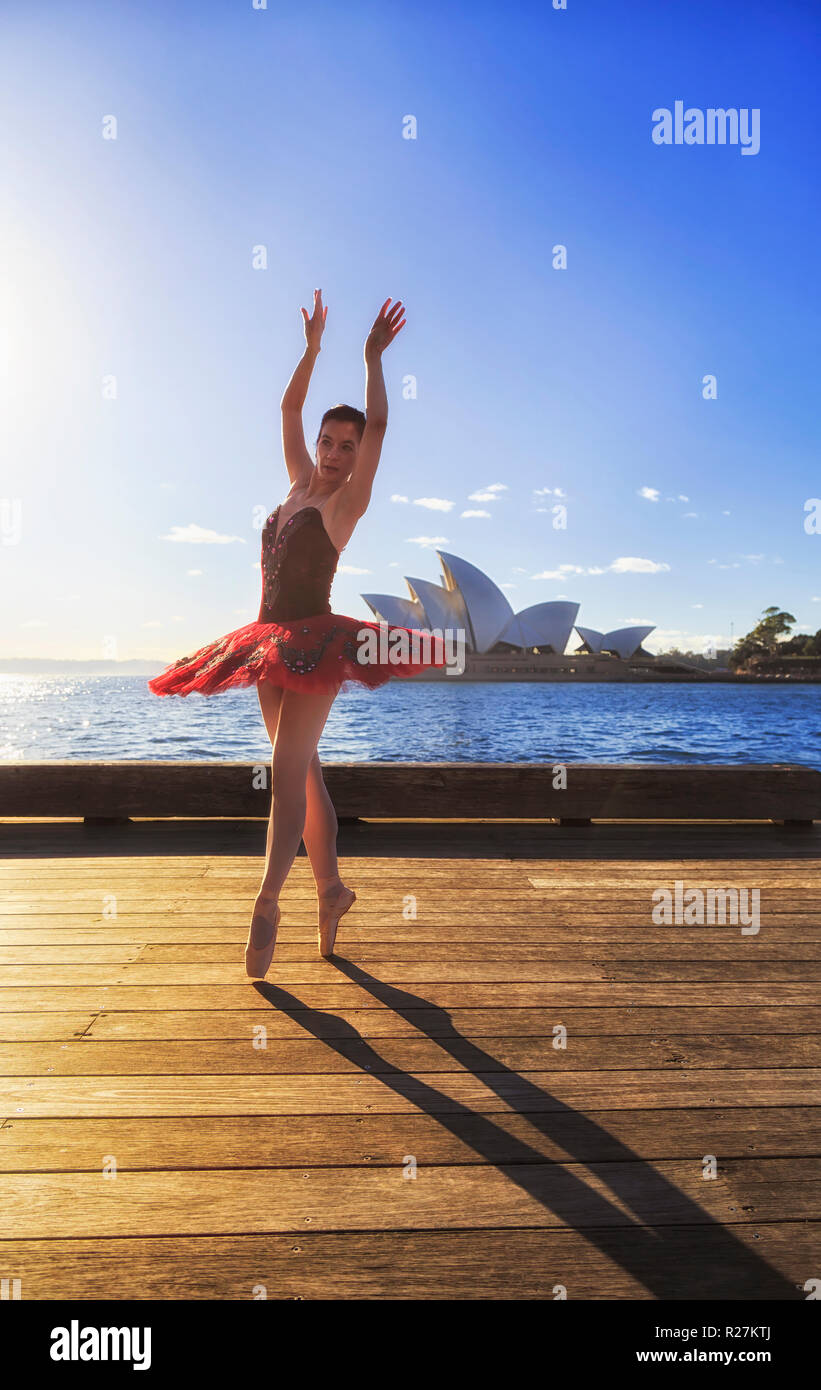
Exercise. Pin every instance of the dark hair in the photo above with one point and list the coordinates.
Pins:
(348, 414)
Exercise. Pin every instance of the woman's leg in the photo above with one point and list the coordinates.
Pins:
(320, 832)
(270, 698)
(321, 826)
(270, 702)
(301, 721)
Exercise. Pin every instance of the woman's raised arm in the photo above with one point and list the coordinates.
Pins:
(297, 459)
(357, 491)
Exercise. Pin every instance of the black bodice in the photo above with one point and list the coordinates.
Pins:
(298, 567)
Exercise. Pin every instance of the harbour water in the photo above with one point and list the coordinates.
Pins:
(113, 717)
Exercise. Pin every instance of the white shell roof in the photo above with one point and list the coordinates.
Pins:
(624, 641)
(487, 608)
(443, 607)
(391, 608)
(542, 625)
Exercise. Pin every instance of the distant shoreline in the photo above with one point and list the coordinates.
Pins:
(546, 669)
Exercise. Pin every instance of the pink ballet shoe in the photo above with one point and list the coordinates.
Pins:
(258, 958)
(329, 915)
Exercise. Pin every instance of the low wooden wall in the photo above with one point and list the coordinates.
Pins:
(782, 792)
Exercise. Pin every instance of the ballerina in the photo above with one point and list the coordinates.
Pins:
(299, 653)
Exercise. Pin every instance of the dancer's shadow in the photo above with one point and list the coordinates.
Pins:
(651, 1256)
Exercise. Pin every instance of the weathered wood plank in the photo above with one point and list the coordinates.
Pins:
(370, 953)
(471, 1023)
(702, 1262)
(391, 972)
(139, 788)
(199, 1141)
(373, 993)
(608, 1052)
(232, 1201)
(435, 1092)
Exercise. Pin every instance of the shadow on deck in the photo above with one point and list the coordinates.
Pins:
(509, 1082)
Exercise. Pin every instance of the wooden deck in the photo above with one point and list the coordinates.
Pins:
(263, 1132)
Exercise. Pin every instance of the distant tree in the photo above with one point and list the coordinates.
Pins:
(765, 638)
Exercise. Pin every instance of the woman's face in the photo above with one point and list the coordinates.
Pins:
(336, 450)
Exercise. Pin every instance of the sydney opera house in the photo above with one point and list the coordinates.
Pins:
(501, 644)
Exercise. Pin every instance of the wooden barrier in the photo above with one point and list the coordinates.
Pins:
(633, 791)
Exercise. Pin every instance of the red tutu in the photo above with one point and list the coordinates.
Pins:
(328, 652)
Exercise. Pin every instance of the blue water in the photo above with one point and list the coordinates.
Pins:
(54, 717)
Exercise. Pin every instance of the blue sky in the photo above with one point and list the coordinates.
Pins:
(283, 127)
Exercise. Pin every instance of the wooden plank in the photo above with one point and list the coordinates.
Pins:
(607, 1052)
(470, 1023)
(392, 1093)
(788, 942)
(168, 788)
(415, 972)
(544, 1195)
(702, 1262)
(369, 953)
(197, 1141)
(373, 993)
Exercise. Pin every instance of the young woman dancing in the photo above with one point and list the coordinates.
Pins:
(298, 653)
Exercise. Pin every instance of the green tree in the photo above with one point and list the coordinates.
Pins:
(765, 637)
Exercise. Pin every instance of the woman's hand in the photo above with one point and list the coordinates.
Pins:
(386, 325)
(315, 325)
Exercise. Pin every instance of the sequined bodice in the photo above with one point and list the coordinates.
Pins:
(298, 567)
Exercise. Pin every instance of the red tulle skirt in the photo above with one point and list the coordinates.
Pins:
(327, 652)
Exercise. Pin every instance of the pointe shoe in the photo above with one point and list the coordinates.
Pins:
(336, 908)
(258, 958)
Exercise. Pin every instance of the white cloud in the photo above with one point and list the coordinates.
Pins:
(665, 637)
(35, 622)
(625, 564)
(689, 513)
(548, 492)
(633, 564)
(397, 497)
(475, 512)
(199, 535)
(194, 573)
(696, 605)
(560, 573)
(351, 569)
(434, 504)
(650, 494)
(488, 494)
(427, 540)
